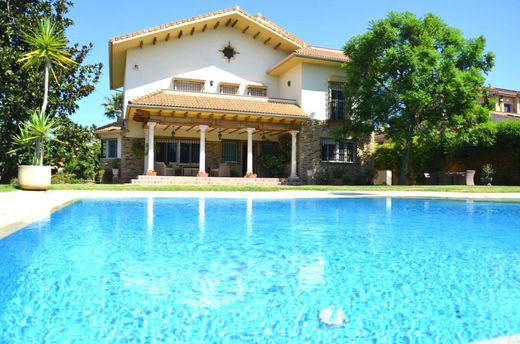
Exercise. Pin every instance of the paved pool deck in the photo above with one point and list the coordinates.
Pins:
(20, 208)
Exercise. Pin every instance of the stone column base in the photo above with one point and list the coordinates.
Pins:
(250, 175)
(202, 174)
(151, 173)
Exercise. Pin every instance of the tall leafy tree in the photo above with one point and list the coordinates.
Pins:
(113, 105)
(21, 92)
(415, 77)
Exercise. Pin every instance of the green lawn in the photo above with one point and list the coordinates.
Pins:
(127, 187)
(6, 187)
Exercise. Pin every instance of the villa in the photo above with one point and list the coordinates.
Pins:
(214, 95)
(507, 104)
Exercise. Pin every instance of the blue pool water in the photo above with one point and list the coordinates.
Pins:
(252, 270)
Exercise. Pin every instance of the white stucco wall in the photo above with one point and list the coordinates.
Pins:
(315, 87)
(294, 75)
(198, 56)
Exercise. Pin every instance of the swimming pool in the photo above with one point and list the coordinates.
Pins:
(254, 270)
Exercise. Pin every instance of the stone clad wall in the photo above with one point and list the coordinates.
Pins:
(131, 165)
(312, 170)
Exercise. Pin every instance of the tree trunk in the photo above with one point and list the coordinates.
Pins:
(406, 159)
(40, 152)
(46, 85)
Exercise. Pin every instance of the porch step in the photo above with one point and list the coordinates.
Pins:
(177, 180)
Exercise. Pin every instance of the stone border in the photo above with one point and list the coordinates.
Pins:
(20, 208)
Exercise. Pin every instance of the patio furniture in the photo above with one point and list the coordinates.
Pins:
(224, 170)
(163, 170)
(450, 178)
(189, 171)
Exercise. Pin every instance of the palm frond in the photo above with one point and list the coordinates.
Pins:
(47, 44)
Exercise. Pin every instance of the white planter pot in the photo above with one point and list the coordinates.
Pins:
(32, 177)
(115, 172)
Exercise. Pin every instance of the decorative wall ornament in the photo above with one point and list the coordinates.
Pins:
(229, 52)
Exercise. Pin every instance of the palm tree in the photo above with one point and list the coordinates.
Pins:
(113, 105)
(48, 48)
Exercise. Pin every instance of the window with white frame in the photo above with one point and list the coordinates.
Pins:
(109, 148)
(189, 151)
(257, 91)
(230, 151)
(188, 85)
(333, 151)
(166, 151)
(336, 101)
(228, 88)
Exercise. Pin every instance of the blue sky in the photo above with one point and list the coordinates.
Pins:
(328, 23)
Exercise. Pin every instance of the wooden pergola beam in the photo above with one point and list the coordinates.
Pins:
(141, 44)
(154, 40)
(204, 27)
(228, 22)
(234, 23)
(247, 28)
(167, 37)
(256, 35)
(229, 124)
(180, 34)
(211, 129)
(267, 40)
(192, 31)
(277, 46)
(216, 25)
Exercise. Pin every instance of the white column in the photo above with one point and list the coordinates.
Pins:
(151, 156)
(145, 149)
(178, 152)
(249, 171)
(293, 155)
(202, 151)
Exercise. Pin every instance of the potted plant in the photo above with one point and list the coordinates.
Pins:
(33, 134)
(115, 167)
(487, 174)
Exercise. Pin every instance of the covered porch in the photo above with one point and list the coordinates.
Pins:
(222, 139)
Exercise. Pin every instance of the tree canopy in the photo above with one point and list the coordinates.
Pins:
(22, 89)
(415, 77)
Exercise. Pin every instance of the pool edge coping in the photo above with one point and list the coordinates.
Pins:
(61, 198)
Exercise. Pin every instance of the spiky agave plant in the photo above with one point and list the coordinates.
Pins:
(33, 134)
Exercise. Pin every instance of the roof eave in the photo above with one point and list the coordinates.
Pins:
(158, 107)
(279, 69)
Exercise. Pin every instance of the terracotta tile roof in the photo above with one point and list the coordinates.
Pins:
(219, 103)
(110, 127)
(322, 53)
(258, 19)
(496, 90)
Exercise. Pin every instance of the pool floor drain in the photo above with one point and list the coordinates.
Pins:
(332, 317)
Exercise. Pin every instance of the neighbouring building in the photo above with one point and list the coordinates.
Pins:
(507, 104)
(222, 93)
